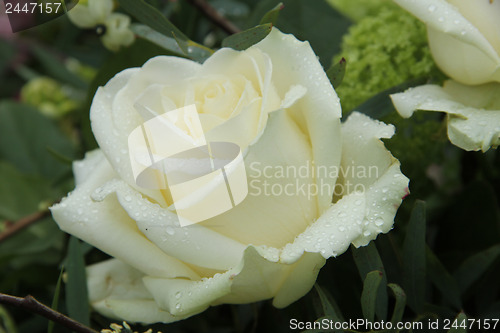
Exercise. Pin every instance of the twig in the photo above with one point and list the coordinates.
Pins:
(31, 304)
(15, 227)
(214, 16)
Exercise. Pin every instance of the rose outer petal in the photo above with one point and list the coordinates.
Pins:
(469, 127)
(106, 225)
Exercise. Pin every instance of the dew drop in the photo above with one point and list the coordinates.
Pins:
(170, 231)
(341, 228)
(367, 233)
(379, 222)
(178, 295)
(128, 198)
(432, 8)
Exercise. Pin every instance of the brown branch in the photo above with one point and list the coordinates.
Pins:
(31, 304)
(15, 227)
(214, 16)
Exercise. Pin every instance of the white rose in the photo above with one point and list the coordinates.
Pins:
(116, 26)
(275, 101)
(464, 36)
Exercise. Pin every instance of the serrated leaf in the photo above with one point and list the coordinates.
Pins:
(460, 322)
(442, 279)
(414, 258)
(399, 306)
(151, 17)
(272, 15)
(76, 286)
(336, 73)
(475, 266)
(330, 307)
(55, 300)
(243, 40)
(367, 259)
(369, 294)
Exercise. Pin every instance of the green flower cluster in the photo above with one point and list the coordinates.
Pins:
(383, 50)
(49, 96)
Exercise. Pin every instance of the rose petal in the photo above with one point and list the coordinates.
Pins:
(267, 217)
(454, 41)
(193, 244)
(318, 112)
(116, 290)
(253, 279)
(107, 226)
(368, 205)
(469, 127)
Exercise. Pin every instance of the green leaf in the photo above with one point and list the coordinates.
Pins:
(151, 17)
(336, 73)
(367, 259)
(55, 68)
(6, 321)
(272, 15)
(20, 194)
(25, 135)
(369, 294)
(176, 46)
(475, 266)
(380, 105)
(399, 307)
(442, 279)
(55, 300)
(414, 258)
(460, 324)
(76, 286)
(243, 40)
(314, 21)
(330, 307)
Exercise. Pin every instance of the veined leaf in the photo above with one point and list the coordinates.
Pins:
(330, 307)
(243, 40)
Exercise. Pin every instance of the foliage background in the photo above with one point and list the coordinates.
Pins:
(443, 252)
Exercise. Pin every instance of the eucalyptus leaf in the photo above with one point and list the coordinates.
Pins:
(399, 306)
(55, 300)
(367, 259)
(272, 15)
(151, 17)
(414, 269)
(459, 324)
(442, 279)
(76, 286)
(336, 73)
(243, 40)
(475, 266)
(330, 307)
(369, 294)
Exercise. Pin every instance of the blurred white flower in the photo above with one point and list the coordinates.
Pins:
(98, 14)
